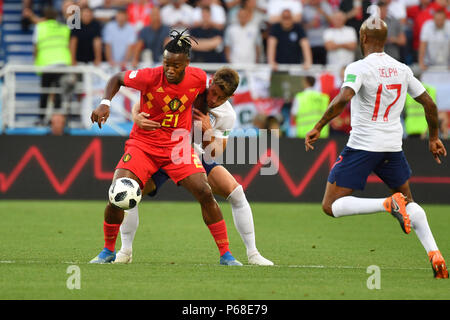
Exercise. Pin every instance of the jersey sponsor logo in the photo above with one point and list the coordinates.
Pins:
(350, 78)
(126, 157)
(133, 74)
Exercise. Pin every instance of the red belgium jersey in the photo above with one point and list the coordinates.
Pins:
(169, 104)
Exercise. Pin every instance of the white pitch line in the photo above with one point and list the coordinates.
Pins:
(215, 265)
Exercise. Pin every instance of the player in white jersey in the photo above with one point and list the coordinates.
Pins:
(377, 86)
(218, 120)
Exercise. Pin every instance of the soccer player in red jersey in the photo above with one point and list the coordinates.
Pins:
(167, 94)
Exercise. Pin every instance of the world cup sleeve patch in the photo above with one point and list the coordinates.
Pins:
(350, 78)
(126, 157)
(133, 74)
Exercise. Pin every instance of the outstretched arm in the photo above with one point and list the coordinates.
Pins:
(435, 144)
(334, 109)
(101, 113)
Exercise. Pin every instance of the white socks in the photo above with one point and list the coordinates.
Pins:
(128, 228)
(243, 218)
(348, 206)
(420, 225)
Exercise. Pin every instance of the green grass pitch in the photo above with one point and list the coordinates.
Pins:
(316, 257)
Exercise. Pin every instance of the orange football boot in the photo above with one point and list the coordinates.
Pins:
(438, 264)
(396, 205)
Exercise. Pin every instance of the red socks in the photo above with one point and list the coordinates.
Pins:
(110, 231)
(219, 232)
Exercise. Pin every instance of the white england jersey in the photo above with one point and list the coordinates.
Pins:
(381, 84)
(222, 120)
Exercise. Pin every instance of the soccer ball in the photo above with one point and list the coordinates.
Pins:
(125, 193)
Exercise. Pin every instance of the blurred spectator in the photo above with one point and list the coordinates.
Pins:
(209, 46)
(308, 107)
(153, 38)
(177, 15)
(260, 121)
(257, 7)
(334, 4)
(434, 48)
(217, 12)
(443, 123)
(58, 124)
(356, 12)
(273, 123)
(287, 43)
(340, 42)
(396, 9)
(243, 41)
(396, 37)
(415, 121)
(106, 10)
(66, 10)
(257, 17)
(316, 18)
(86, 42)
(139, 13)
(51, 48)
(27, 13)
(420, 14)
(275, 9)
(119, 38)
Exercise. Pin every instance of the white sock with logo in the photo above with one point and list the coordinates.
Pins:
(128, 228)
(420, 225)
(243, 218)
(349, 205)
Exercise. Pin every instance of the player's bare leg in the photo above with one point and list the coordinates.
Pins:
(197, 184)
(419, 223)
(113, 218)
(224, 184)
(332, 193)
(338, 202)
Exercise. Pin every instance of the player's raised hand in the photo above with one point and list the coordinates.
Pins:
(310, 138)
(437, 149)
(144, 123)
(100, 114)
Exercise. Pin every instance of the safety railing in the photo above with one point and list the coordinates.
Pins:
(82, 89)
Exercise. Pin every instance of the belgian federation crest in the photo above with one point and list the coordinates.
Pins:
(126, 157)
(175, 104)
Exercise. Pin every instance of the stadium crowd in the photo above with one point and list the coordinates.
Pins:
(124, 33)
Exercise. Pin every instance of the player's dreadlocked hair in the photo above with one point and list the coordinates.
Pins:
(181, 42)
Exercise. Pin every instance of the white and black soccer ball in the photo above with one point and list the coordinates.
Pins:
(125, 193)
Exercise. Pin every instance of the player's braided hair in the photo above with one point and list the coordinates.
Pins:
(180, 43)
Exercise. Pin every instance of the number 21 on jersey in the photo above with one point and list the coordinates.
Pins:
(171, 120)
(397, 87)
